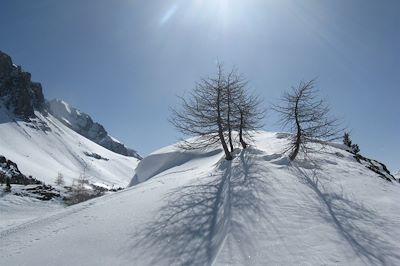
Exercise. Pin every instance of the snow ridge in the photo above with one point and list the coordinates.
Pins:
(84, 125)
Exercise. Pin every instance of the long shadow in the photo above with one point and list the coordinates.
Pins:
(196, 219)
(346, 216)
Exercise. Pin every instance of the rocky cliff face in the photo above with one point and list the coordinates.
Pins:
(17, 91)
(84, 125)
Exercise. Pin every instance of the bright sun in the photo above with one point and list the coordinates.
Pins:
(219, 11)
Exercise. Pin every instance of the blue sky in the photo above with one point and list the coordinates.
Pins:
(123, 62)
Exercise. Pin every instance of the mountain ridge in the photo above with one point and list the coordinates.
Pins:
(84, 125)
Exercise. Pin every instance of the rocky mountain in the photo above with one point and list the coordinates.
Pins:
(84, 125)
(22, 97)
(34, 142)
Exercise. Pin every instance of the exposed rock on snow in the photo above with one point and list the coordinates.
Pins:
(376, 167)
(84, 125)
(95, 155)
(40, 192)
(9, 169)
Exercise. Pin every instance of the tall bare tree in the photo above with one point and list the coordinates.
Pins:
(307, 116)
(234, 93)
(244, 114)
(202, 114)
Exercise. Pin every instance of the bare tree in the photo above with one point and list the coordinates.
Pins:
(307, 117)
(59, 180)
(234, 94)
(202, 114)
(218, 107)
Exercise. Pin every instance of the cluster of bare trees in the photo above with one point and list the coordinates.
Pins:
(218, 111)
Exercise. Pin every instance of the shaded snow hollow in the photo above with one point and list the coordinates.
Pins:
(198, 209)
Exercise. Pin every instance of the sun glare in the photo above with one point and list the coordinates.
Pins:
(221, 12)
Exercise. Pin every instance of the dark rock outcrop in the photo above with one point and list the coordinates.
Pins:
(9, 170)
(375, 166)
(17, 91)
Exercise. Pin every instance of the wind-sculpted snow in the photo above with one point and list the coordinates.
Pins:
(258, 209)
(157, 163)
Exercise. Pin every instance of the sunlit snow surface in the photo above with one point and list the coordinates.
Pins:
(45, 147)
(198, 209)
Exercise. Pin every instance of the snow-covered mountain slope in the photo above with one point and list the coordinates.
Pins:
(43, 147)
(195, 208)
(84, 125)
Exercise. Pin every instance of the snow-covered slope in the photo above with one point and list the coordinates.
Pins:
(43, 147)
(198, 209)
(84, 125)
(397, 174)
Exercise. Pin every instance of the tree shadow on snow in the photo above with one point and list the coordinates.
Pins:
(192, 226)
(350, 218)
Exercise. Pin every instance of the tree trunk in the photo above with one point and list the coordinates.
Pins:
(244, 144)
(229, 121)
(228, 155)
(230, 139)
(298, 135)
(296, 149)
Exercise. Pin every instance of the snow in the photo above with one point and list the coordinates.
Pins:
(45, 147)
(16, 210)
(115, 140)
(397, 174)
(195, 208)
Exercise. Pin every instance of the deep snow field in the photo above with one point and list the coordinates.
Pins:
(195, 208)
